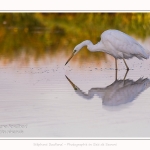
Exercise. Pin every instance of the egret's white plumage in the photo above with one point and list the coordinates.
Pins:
(117, 44)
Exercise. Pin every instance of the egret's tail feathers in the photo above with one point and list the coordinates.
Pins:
(145, 54)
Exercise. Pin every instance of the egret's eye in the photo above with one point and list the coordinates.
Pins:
(74, 51)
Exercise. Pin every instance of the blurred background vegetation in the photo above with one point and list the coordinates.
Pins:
(37, 35)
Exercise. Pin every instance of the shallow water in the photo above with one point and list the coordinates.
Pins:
(48, 99)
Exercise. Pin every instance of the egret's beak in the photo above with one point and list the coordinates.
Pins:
(70, 57)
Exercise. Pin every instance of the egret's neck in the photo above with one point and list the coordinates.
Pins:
(91, 47)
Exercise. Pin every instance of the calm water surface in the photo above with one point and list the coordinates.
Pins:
(48, 99)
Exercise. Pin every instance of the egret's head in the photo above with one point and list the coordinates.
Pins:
(77, 48)
(75, 51)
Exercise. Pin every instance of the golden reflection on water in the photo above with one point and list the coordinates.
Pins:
(28, 47)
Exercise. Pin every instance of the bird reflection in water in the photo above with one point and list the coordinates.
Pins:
(119, 92)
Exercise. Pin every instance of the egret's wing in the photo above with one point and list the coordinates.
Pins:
(122, 42)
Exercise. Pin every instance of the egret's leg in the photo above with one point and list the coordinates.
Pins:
(116, 74)
(126, 64)
(116, 63)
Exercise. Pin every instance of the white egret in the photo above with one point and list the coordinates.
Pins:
(117, 44)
